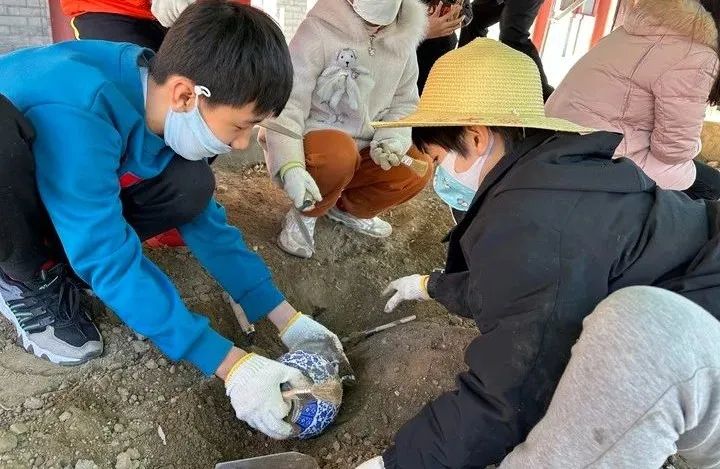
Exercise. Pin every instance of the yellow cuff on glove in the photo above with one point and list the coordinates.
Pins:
(292, 321)
(238, 364)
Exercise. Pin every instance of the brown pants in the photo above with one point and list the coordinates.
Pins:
(351, 179)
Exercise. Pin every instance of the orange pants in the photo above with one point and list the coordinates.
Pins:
(351, 179)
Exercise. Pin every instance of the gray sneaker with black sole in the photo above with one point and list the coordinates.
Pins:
(49, 318)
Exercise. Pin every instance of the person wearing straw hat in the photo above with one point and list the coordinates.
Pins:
(557, 228)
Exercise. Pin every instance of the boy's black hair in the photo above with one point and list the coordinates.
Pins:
(236, 51)
(453, 138)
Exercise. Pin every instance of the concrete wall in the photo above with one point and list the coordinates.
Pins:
(23, 23)
(288, 13)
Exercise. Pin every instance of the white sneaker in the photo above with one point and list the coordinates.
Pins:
(292, 240)
(375, 227)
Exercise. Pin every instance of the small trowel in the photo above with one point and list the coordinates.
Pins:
(291, 460)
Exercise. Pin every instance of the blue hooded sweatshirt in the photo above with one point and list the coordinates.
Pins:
(85, 100)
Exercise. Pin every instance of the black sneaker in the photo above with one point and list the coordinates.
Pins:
(49, 318)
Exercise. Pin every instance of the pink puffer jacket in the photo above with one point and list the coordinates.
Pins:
(650, 81)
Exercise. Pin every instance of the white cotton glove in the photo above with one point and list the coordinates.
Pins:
(304, 333)
(388, 152)
(253, 386)
(300, 187)
(411, 288)
(374, 463)
(167, 11)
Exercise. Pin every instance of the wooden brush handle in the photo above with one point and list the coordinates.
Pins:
(419, 167)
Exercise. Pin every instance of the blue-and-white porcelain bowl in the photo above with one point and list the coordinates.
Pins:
(313, 415)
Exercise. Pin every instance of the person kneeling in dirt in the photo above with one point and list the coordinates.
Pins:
(354, 62)
(106, 145)
(556, 227)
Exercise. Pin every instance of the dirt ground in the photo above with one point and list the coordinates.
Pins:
(133, 409)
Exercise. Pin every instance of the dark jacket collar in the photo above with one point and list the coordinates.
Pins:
(560, 161)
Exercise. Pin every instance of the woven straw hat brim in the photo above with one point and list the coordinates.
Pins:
(483, 83)
(432, 119)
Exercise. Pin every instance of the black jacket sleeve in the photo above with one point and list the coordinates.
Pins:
(449, 291)
(511, 285)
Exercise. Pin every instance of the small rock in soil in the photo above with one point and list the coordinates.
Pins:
(19, 428)
(86, 464)
(336, 445)
(33, 403)
(65, 416)
(8, 442)
(151, 364)
(139, 346)
(128, 459)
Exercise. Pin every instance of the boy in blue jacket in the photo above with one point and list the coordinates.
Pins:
(104, 145)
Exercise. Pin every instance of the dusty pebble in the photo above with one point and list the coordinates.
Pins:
(65, 416)
(118, 428)
(336, 445)
(140, 346)
(33, 403)
(128, 459)
(8, 442)
(151, 364)
(19, 428)
(86, 464)
(114, 366)
(455, 320)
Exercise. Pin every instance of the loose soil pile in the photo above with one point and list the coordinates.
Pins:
(132, 408)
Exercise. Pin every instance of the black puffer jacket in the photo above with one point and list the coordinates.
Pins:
(554, 229)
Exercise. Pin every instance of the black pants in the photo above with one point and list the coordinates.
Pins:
(516, 18)
(707, 183)
(27, 238)
(429, 51)
(119, 28)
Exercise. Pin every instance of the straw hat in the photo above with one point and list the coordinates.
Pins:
(483, 83)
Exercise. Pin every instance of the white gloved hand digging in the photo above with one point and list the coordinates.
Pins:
(374, 463)
(304, 333)
(410, 288)
(253, 386)
(300, 187)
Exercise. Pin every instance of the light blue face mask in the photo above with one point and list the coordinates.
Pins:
(451, 191)
(458, 189)
(188, 134)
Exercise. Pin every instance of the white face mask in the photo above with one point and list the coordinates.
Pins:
(379, 12)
